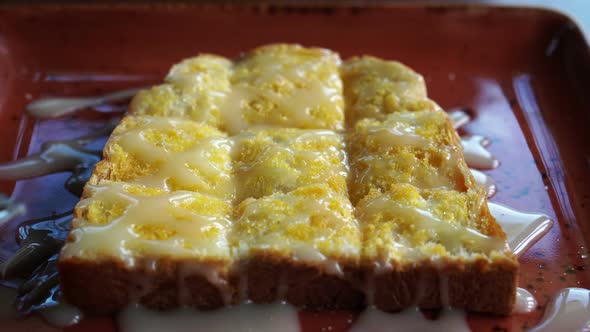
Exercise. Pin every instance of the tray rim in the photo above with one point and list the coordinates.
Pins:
(132, 4)
(555, 8)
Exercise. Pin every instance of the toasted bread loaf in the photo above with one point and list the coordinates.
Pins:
(286, 175)
(310, 230)
(428, 237)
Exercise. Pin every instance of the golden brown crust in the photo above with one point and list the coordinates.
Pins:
(475, 287)
(270, 278)
(104, 287)
(108, 286)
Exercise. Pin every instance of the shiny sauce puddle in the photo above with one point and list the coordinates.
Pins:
(568, 310)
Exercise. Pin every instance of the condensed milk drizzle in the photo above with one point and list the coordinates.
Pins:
(522, 229)
(178, 164)
(240, 318)
(451, 236)
(132, 230)
(474, 147)
(60, 106)
(41, 239)
(60, 156)
(484, 180)
(525, 301)
(569, 310)
(476, 154)
(459, 117)
(9, 209)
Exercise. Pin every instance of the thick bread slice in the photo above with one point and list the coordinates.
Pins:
(140, 234)
(294, 233)
(135, 244)
(302, 246)
(428, 236)
(433, 248)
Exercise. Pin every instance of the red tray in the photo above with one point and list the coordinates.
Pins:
(524, 73)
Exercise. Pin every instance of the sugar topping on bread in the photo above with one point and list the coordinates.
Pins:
(286, 174)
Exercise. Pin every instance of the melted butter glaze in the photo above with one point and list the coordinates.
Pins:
(392, 137)
(412, 319)
(569, 310)
(291, 107)
(316, 244)
(476, 155)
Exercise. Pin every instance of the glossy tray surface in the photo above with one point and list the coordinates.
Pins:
(521, 73)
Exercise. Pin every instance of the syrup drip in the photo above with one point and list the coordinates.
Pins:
(476, 155)
(411, 320)
(54, 157)
(56, 107)
(474, 150)
(9, 209)
(92, 77)
(484, 180)
(522, 229)
(7, 309)
(525, 301)
(61, 315)
(60, 156)
(243, 317)
(568, 311)
(40, 239)
(459, 117)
